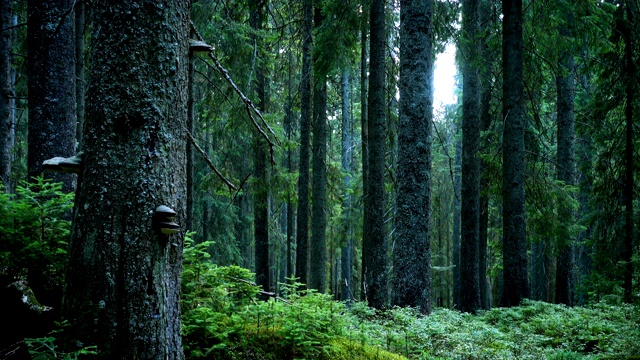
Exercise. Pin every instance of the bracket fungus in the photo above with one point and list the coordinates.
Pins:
(199, 46)
(163, 220)
(68, 165)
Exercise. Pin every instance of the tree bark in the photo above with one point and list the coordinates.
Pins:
(123, 280)
(6, 92)
(470, 191)
(364, 130)
(374, 248)
(302, 231)
(80, 73)
(412, 252)
(456, 226)
(514, 246)
(51, 86)
(318, 245)
(347, 157)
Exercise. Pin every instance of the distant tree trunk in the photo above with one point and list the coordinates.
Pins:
(412, 249)
(566, 172)
(514, 247)
(631, 78)
(470, 192)
(318, 246)
(189, 149)
(6, 92)
(51, 85)
(347, 154)
(123, 280)
(80, 77)
(302, 232)
(456, 226)
(364, 126)
(261, 189)
(290, 213)
(374, 251)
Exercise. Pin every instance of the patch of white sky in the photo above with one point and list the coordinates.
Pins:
(444, 80)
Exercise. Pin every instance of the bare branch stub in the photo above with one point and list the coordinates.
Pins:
(209, 162)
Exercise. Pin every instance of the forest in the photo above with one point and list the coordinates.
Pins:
(225, 179)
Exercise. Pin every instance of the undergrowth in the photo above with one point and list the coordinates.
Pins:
(223, 318)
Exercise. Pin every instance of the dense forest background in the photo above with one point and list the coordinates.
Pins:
(314, 162)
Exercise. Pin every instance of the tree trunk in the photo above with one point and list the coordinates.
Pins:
(566, 172)
(189, 150)
(80, 77)
(6, 92)
(374, 251)
(456, 226)
(302, 232)
(364, 129)
(51, 86)
(470, 191)
(411, 252)
(514, 246)
(123, 280)
(347, 154)
(261, 187)
(318, 245)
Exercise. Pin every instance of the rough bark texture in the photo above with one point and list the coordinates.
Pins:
(346, 261)
(302, 231)
(514, 246)
(364, 128)
(123, 281)
(80, 73)
(456, 227)
(470, 191)
(566, 170)
(411, 251)
(51, 85)
(6, 92)
(318, 245)
(189, 150)
(264, 277)
(374, 247)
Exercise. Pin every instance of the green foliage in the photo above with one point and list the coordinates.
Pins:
(34, 232)
(47, 348)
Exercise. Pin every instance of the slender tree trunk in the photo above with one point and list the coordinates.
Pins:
(364, 129)
(514, 247)
(566, 172)
(261, 190)
(189, 149)
(456, 226)
(6, 92)
(318, 245)
(347, 154)
(51, 86)
(470, 192)
(123, 280)
(631, 77)
(80, 77)
(412, 249)
(374, 250)
(302, 232)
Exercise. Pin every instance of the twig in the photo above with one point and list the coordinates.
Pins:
(209, 162)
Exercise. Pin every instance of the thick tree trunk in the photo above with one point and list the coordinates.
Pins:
(318, 245)
(514, 247)
(374, 251)
(6, 92)
(302, 232)
(456, 226)
(264, 277)
(470, 192)
(347, 154)
(80, 74)
(412, 249)
(123, 280)
(566, 170)
(51, 85)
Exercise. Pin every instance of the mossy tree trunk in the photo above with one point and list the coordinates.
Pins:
(51, 85)
(412, 251)
(123, 281)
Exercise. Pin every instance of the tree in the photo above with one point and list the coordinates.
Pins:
(302, 232)
(411, 253)
(123, 280)
(514, 246)
(346, 160)
(6, 92)
(566, 168)
(470, 186)
(51, 84)
(456, 225)
(374, 243)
